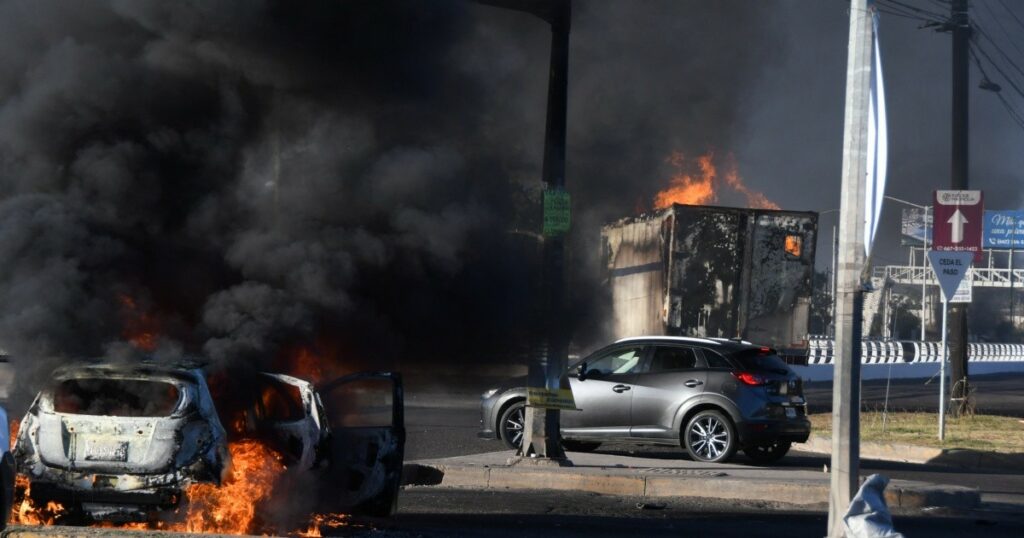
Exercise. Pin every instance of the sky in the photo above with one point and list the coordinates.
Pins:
(248, 179)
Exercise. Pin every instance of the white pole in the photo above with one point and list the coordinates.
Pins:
(845, 467)
(924, 274)
(835, 278)
(942, 374)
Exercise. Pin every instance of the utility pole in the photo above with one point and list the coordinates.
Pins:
(961, 28)
(850, 297)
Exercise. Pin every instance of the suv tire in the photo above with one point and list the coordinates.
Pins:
(710, 437)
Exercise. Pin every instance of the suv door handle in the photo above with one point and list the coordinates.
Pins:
(693, 383)
(621, 388)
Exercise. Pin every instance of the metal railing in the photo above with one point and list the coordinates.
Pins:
(986, 277)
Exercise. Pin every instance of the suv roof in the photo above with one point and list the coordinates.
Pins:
(724, 344)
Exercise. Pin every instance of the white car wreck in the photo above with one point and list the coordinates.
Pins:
(119, 442)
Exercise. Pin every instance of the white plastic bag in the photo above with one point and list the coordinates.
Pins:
(868, 516)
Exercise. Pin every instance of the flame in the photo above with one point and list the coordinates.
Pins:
(140, 327)
(232, 508)
(688, 188)
(319, 521)
(316, 362)
(698, 185)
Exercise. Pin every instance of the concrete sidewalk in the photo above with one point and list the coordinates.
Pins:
(646, 477)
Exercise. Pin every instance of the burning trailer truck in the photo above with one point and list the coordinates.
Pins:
(691, 270)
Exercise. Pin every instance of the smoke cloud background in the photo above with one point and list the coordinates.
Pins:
(260, 175)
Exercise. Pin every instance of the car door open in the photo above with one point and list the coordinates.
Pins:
(365, 445)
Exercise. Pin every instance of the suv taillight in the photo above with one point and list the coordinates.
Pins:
(748, 378)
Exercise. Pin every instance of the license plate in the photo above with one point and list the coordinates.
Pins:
(790, 412)
(106, 451)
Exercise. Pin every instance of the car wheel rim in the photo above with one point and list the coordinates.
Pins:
(708, 438)
(514, 427)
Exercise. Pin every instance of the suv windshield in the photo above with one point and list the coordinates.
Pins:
(115, 397)
(761, 361)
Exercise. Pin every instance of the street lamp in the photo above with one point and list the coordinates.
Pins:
(924, 263)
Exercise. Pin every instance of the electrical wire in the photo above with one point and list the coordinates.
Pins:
(1012, 14)
(914, 9)
(998, 69)
(1014, 114)
(981, 31)
(999, 23)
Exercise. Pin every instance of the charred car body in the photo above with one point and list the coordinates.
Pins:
(122, 442)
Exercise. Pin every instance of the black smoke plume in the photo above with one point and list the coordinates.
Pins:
(254, 176)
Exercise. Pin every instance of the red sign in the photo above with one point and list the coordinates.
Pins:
(958, 221)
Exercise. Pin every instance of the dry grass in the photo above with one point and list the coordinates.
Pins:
(979, 432)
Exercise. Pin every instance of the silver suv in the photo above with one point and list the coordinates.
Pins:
(711, 396)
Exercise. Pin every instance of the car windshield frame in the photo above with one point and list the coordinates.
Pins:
(169, 408)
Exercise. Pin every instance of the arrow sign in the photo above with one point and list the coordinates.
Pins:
(950, 268)
(956, 222)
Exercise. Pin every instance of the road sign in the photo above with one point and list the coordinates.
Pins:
(556, 212)
(964, 292)
(551, 398)
(1003, 229)
(958, 221)
(950, 268)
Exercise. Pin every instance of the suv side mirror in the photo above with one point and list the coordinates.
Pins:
(581, 371)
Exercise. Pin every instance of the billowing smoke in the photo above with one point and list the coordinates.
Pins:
(251, 176)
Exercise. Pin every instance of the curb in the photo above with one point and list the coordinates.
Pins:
(706, 484)
(944, 457)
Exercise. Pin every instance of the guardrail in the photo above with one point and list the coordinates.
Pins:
(820, 351)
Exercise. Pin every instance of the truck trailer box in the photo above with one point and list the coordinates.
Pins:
(713, 272)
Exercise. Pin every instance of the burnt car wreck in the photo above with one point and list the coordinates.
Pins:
(123, 442)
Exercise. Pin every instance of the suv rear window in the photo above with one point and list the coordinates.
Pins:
(761, 361)
(115, 397)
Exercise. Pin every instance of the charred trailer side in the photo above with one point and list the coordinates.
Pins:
(713, 272)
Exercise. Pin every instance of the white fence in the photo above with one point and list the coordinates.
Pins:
(820, 351)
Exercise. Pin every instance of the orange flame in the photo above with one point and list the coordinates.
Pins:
(700, 186)
(232, 508)
(141, 328)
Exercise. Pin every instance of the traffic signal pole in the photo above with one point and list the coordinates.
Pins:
(850, 297)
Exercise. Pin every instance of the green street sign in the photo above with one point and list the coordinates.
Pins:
(556, 213)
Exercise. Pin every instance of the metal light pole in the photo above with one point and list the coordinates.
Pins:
(924, 259)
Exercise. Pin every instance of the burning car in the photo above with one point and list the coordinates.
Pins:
(121, 438)
(122, 442)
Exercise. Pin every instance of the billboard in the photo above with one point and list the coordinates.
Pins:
(915, 228)
(1003, 229)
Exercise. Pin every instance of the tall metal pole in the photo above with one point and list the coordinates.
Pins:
(942, 373)
(924, 274)
(542, 437)
(849, 300)
(958, 311)
(835, 266)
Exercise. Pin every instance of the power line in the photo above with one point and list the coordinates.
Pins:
(999, 23)
(1014, 114)
(895, 3)
(1012, 14)
(1005, 56)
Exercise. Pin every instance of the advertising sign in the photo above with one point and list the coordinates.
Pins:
(1003, 229)
(915, 228)
(958, 219)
